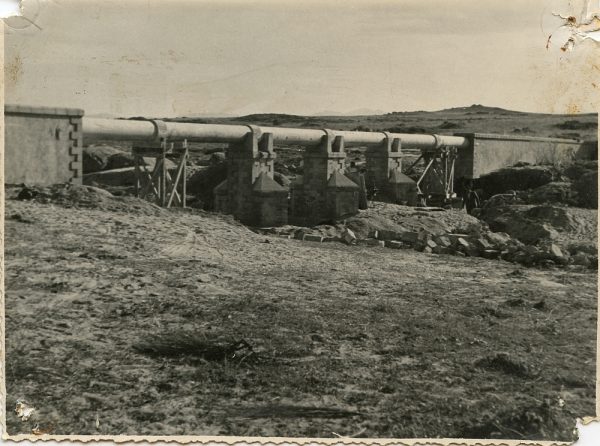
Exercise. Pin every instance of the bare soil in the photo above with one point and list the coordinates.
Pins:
(152, 322)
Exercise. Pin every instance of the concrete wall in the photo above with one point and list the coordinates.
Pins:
(492, 152)
(42, 145)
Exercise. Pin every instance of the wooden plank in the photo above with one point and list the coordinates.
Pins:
(173, 191)
(163, 176)
(153, 177)
(184, 185)
(149, 182)
(136, 166)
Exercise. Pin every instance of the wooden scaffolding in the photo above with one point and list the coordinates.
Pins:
(158, 185)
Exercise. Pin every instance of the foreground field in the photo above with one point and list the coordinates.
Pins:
(125, 322)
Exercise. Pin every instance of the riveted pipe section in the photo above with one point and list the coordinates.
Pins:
(120, 129)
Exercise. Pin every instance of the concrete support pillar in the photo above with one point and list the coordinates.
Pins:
(324, 193)
(384, 173)
(250, 193)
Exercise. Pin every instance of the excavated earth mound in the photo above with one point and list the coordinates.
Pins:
(517, 178)
(90, 197)
(534, 224)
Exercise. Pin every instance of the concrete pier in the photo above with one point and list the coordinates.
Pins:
(384, 172)
(250, 193)
(324, 193)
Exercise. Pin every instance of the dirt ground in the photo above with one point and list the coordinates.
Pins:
(128, 321)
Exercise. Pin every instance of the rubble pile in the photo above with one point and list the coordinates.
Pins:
(574, 185)
(456, 233)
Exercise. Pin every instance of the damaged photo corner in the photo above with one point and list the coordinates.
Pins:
(300, 221)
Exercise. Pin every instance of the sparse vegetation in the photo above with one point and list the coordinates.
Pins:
(575, 124)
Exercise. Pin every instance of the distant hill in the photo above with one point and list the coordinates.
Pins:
(269, 117)
(477, 108)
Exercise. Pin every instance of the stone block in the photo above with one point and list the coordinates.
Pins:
(427, 250)
(531, 250)
(394, 244)
(462, 243)
(466, 247)
(490, 253)
(371, 242)
(513, 248)
(498, 239)
(442, 240)
(581, 258)
(441, 250)
(482, 243)
(454, 238)
(312, 238)
(348, 236)
(388, 235)
(409, 237)
(523, 258)
(556, 254)
(299, 234)
(423, 236)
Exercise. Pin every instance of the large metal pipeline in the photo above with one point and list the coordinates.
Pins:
(152, 130)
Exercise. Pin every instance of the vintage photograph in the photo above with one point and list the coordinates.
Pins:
(304, 219)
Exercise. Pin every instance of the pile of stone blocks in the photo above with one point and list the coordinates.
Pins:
(486, 244)
(489, 245)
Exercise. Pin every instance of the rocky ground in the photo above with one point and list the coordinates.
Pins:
(123, 318)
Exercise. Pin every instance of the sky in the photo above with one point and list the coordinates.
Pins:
(231, 57)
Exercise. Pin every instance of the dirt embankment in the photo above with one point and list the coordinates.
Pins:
(543, 206)
(575, 184)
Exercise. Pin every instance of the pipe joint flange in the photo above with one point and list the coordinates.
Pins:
(333, 142)
(255, 131)
(387, 140)
(391, 143)
(330, 134)
(160, 129)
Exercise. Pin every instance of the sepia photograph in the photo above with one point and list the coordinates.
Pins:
(333, 220)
